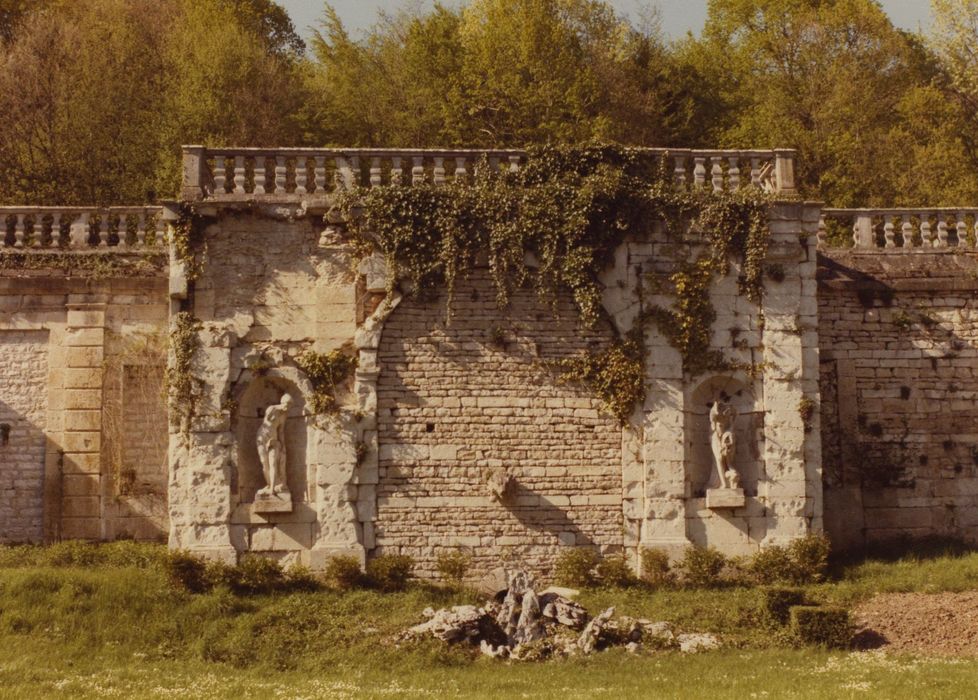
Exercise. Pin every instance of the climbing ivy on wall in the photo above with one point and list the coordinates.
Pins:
(181, 384)
(326, 371)
(568, 210)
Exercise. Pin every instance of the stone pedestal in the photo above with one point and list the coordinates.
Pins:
(725, 498)
(273, 503)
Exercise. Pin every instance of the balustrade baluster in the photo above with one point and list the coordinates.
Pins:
(755, 172)
(733, 172)
(514, 163)
(716, 172)
(962, 229)
(56, 230)
(302, 182)
(941, 231)
(925, 231)
(121, 230)
(260, 174)
(907, 231)
(699, 172)
(103, 230)
(461, 173)
(34, 230)
(19, 231)
(141, 230)
(438, 172)
(822, 235)
(417, 171)
(356, 171)
(281, 175)
(397, 175)
(863, 235)
(888, 232)
(159, 235)
(319, 174)
(679, 170)
(220, 175)
(375, 171)
(240, 175)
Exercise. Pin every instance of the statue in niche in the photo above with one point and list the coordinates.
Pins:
(724, 443)
(271, 451)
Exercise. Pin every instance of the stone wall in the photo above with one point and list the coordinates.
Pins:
(66, 340)
(899, 392)
(460, 398)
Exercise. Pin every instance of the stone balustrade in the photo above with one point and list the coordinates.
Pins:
(229, 173)
(81, 228)
(912, 228)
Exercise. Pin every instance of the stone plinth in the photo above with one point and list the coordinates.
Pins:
(725, 498)
(273, 503)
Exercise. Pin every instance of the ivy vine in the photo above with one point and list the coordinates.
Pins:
(180, 382)
(326, 371)
(568, 210)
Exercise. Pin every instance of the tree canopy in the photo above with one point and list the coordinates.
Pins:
(100, 94)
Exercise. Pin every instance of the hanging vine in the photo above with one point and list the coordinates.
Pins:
(569, 209)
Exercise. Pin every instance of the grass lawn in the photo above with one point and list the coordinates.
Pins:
(123, 631)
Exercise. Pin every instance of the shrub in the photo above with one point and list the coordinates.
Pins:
(300, 577)
(829, 627)
(256, 575)
(344, 572)
(655, 567)
(71, 553)
(615, 572)
(575, 567)
(701, 567)
(188, 572)
(778, 601)
(453, 566)
(390, 572)
(773, 564)
(810, 555)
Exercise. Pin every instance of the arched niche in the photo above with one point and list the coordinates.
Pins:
(701, 473)
(259, 391)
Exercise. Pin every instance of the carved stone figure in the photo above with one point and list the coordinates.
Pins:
(724, 443)
(271, 448)
(498, 484)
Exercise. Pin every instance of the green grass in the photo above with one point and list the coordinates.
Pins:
(75, 623)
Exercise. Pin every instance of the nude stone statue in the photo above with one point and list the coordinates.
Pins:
(723, 442)
(271, 447)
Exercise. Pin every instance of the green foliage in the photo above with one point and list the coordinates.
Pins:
(772, 564)
(778, 601)
(299, 577)
(655, 567)
(701, 567)
(188, 572)
(828, 627)
(390, 572)
(575, 566)
(804, 560)
(453, 565)
(326, 372)
(616, 374)
(255, 575)
(614, 572)
(343, 572)
(181, 385)
(76, 553)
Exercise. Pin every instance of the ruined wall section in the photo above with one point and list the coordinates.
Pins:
(58, 386)
(462, 397)
(899, 393)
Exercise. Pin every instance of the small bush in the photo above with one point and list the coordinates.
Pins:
(701, 567)
(655, 567)
(810, 555)
(829, 627)
(343, 572)
(773, 564)
(188, 572)
(453, 565)
(256, 575)
(614, 572)
(300, 577)
(71, 553)
(575, 567)
(778, 601)
(390, 572)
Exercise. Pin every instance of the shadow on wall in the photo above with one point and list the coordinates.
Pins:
(22, 458)
(540, 515)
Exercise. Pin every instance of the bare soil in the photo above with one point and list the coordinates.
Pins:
(923, 623)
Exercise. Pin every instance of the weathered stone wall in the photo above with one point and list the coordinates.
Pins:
(899, 393)
(23, 408)
(458, 398)
(66, 340)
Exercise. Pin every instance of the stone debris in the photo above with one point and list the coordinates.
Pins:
(520, 624)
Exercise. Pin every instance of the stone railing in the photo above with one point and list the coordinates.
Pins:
(81, 228)
(904, 228)
(235, 173)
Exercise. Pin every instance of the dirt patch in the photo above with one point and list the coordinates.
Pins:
(939, 623)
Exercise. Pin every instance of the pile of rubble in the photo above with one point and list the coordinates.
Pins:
(519, 623)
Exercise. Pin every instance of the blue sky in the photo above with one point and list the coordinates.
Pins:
(678, 16)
